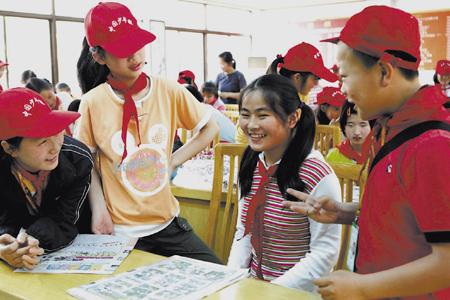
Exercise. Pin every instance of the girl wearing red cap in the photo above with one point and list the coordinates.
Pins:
(404, 225)
(356, 145)
(45, 178)
(129, 120)
(276, 244)
(330, 101)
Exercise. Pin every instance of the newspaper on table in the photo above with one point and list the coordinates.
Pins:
(172, 278)
(88, 254)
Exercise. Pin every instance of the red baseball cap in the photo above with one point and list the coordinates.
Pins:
(443, 67)
(184, 74)
(378, 29)
(2, 63)
(305, 57)
(24, 113)
(112, 26)
(332, 96)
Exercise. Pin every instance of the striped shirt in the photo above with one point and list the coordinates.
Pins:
(286, 236)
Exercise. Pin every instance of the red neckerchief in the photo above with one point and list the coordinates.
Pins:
(129, 107)
(346, 149)
(254, 222)
(214, 102)
(38, 180)
(425, 105)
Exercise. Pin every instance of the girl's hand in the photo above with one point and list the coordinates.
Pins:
(10, 251)
(341, 285)
(323, 210)
(101, 221)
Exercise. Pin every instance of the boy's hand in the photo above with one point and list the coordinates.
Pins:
(341, 285)
(323, 210)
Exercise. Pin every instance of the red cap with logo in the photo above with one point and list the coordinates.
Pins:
(185, 74)
(443, 67)
(2, 63)
(24, 113)
(305, 57)
(332, 96)
(377, 30)
(112, 26)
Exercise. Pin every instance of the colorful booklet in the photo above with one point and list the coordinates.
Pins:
(88, 254)
(172, 278)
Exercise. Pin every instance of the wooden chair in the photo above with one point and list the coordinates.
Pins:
(350, 176)
(327, 137)
(221, 232)
(232, 107)
(233, 116)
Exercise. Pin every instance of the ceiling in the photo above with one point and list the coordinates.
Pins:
(270, 4)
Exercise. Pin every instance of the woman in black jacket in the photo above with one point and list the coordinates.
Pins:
(45, 177)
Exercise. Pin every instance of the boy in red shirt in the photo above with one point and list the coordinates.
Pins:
(404, 226)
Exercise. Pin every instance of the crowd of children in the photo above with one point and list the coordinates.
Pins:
(111, 174)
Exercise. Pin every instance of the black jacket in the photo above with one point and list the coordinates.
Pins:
(62, 201)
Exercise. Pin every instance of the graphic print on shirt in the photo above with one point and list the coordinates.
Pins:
(144, 171)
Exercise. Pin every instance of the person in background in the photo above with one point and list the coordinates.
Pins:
(404, 225)
(26, 76)
(276, 244)
(230, 82)
(3, 66)
(45, 89)
(45, 178)
(443, 75)
(355, 148)
(330, 101)
(187, 77)
(64, 93)
(211, 96)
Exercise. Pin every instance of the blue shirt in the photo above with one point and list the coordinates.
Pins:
(233, 83)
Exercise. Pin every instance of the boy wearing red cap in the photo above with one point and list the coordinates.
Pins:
(45, 178)
(443, 75)
(404, 228)
(187, 77)
(129, 121)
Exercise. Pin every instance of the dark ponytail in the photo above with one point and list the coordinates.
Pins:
(273, 69)
(90, 73)
(228, 58)
(282, 97)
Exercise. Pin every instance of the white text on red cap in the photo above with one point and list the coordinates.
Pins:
(119, 21)
(28, 107)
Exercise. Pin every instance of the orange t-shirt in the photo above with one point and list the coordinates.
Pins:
(138, 191)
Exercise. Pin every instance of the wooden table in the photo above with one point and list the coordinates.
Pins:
(54, 286)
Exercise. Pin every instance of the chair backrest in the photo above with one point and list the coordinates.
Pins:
(351, 179)
(327, 137)
(232, 107)
(221, 231)
(233, 116)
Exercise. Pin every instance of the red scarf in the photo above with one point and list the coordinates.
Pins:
(347, 150)
(254, 222)
(129, 107)
(38, 181)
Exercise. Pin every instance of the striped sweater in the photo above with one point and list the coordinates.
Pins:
(288, 236)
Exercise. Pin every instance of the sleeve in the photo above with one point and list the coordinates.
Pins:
(324, 244)
(425, 176)
(84, 129)
(57, 229)
(8, 223)
(242, 81)
(241, 249)
(190, 114)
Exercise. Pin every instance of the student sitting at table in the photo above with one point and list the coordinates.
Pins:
(276, 244)
(355, 148)
(211, 96)
(44, 175)
(330, 101)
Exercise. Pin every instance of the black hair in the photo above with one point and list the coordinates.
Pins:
(282, 97)
(26, 75)
(321, 116)
(194, 91)
(349, 109)
(14, 143)
(369, 61)
(273, 69)
(38, 85)
(435, 79)
(228, 58)
(74, 105)
(90, 73)
(63, 86)
(210, 87)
